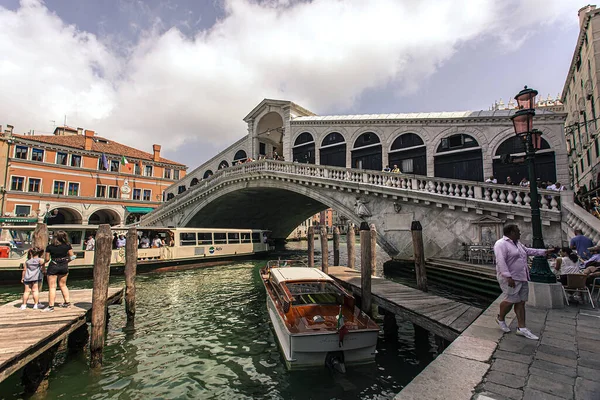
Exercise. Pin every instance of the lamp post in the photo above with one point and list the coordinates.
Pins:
(523, 124)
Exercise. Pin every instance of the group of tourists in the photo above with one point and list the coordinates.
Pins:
(52, 262)
(548, 185)
(395, 170)
(512, 271)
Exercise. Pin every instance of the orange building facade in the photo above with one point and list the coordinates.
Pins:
(77, 177)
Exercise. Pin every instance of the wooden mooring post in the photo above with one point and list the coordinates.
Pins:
(336, 246)
(366, 267)
(324, 250)
(131, 255)
(311, 246)
(417, 239)
(100, 293)
(351, 246)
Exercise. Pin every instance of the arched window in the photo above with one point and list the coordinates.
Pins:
(509, 160)
(239, 156)
(333, 150)
(181, 189)
(409, 152)
(207, 174)
(459, 157)
(366, 153)
(194, 182)
(304, 148)
(223, 164)
(170, 196)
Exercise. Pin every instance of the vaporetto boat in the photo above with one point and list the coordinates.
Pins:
(157, 247)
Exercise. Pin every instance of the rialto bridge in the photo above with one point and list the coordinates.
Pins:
(278, 195)
(336, 162)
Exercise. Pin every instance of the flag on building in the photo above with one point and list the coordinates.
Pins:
(125, 162)
(105, 162)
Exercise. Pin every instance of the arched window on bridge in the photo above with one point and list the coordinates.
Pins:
(239, 156)
(459, 157)
(408, 152)
(509, 160)
(181, 189)
(170, 196)
(333, 150)
(194, 182)
(223, 164)
(304, 149)
(207, 174)
(366, 153)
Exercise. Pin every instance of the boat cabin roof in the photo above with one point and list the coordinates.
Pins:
(289, 274)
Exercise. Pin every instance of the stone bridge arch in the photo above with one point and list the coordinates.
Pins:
(295, 203)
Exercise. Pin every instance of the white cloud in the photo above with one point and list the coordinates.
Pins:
(177, 91)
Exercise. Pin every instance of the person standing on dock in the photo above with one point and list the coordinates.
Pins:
(32, 275)
(60, 252)
(513, 273)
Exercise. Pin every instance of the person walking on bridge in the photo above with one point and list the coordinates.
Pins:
(513, 273)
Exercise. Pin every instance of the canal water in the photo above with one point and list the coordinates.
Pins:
(206, 334)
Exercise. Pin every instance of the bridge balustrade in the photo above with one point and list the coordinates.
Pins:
(515, 196)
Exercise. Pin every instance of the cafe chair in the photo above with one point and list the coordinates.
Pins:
(576, 284)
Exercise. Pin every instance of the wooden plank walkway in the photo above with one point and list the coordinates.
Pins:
(444, 317)
(25, 334)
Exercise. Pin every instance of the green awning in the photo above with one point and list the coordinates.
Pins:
(20, 220)
(139, 210)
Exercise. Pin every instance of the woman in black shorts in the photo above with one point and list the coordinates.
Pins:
(59, 253)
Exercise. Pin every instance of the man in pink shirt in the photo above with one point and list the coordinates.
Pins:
(512, 272)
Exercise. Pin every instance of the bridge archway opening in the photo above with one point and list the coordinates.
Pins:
(63, 215)
(333, 150)
(240, 155)
(170, 196)
(509, 160)
(366, 153)
(459, 157)
(275, 209)
(409, 152)
(270, 134)
(304, 149)
(223, 164)
(194, 182)
(207, 174)
(105, 216)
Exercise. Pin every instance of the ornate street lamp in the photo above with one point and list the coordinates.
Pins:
(523, 124)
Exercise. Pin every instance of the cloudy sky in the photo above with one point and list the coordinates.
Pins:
(183, 73)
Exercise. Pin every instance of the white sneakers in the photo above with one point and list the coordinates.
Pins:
(520, 331)
(527, 333)
(23, 306)
(502, 325)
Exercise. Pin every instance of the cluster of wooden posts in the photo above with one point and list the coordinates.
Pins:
(368, 256)
(36, 372)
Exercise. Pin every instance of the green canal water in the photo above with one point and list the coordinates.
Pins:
(206, 334)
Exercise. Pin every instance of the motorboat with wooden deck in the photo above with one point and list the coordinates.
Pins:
(170, 248)
(315, 319)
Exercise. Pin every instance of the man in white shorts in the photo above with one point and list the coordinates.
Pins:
(512, 272)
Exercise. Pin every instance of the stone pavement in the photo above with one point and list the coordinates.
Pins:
(563, 364)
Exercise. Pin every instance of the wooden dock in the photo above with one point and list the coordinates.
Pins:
(443, 317)
(26, 334)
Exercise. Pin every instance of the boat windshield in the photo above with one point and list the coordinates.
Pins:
(315, 293)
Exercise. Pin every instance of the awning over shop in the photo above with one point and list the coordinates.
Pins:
(139, 210)
(18, 220)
